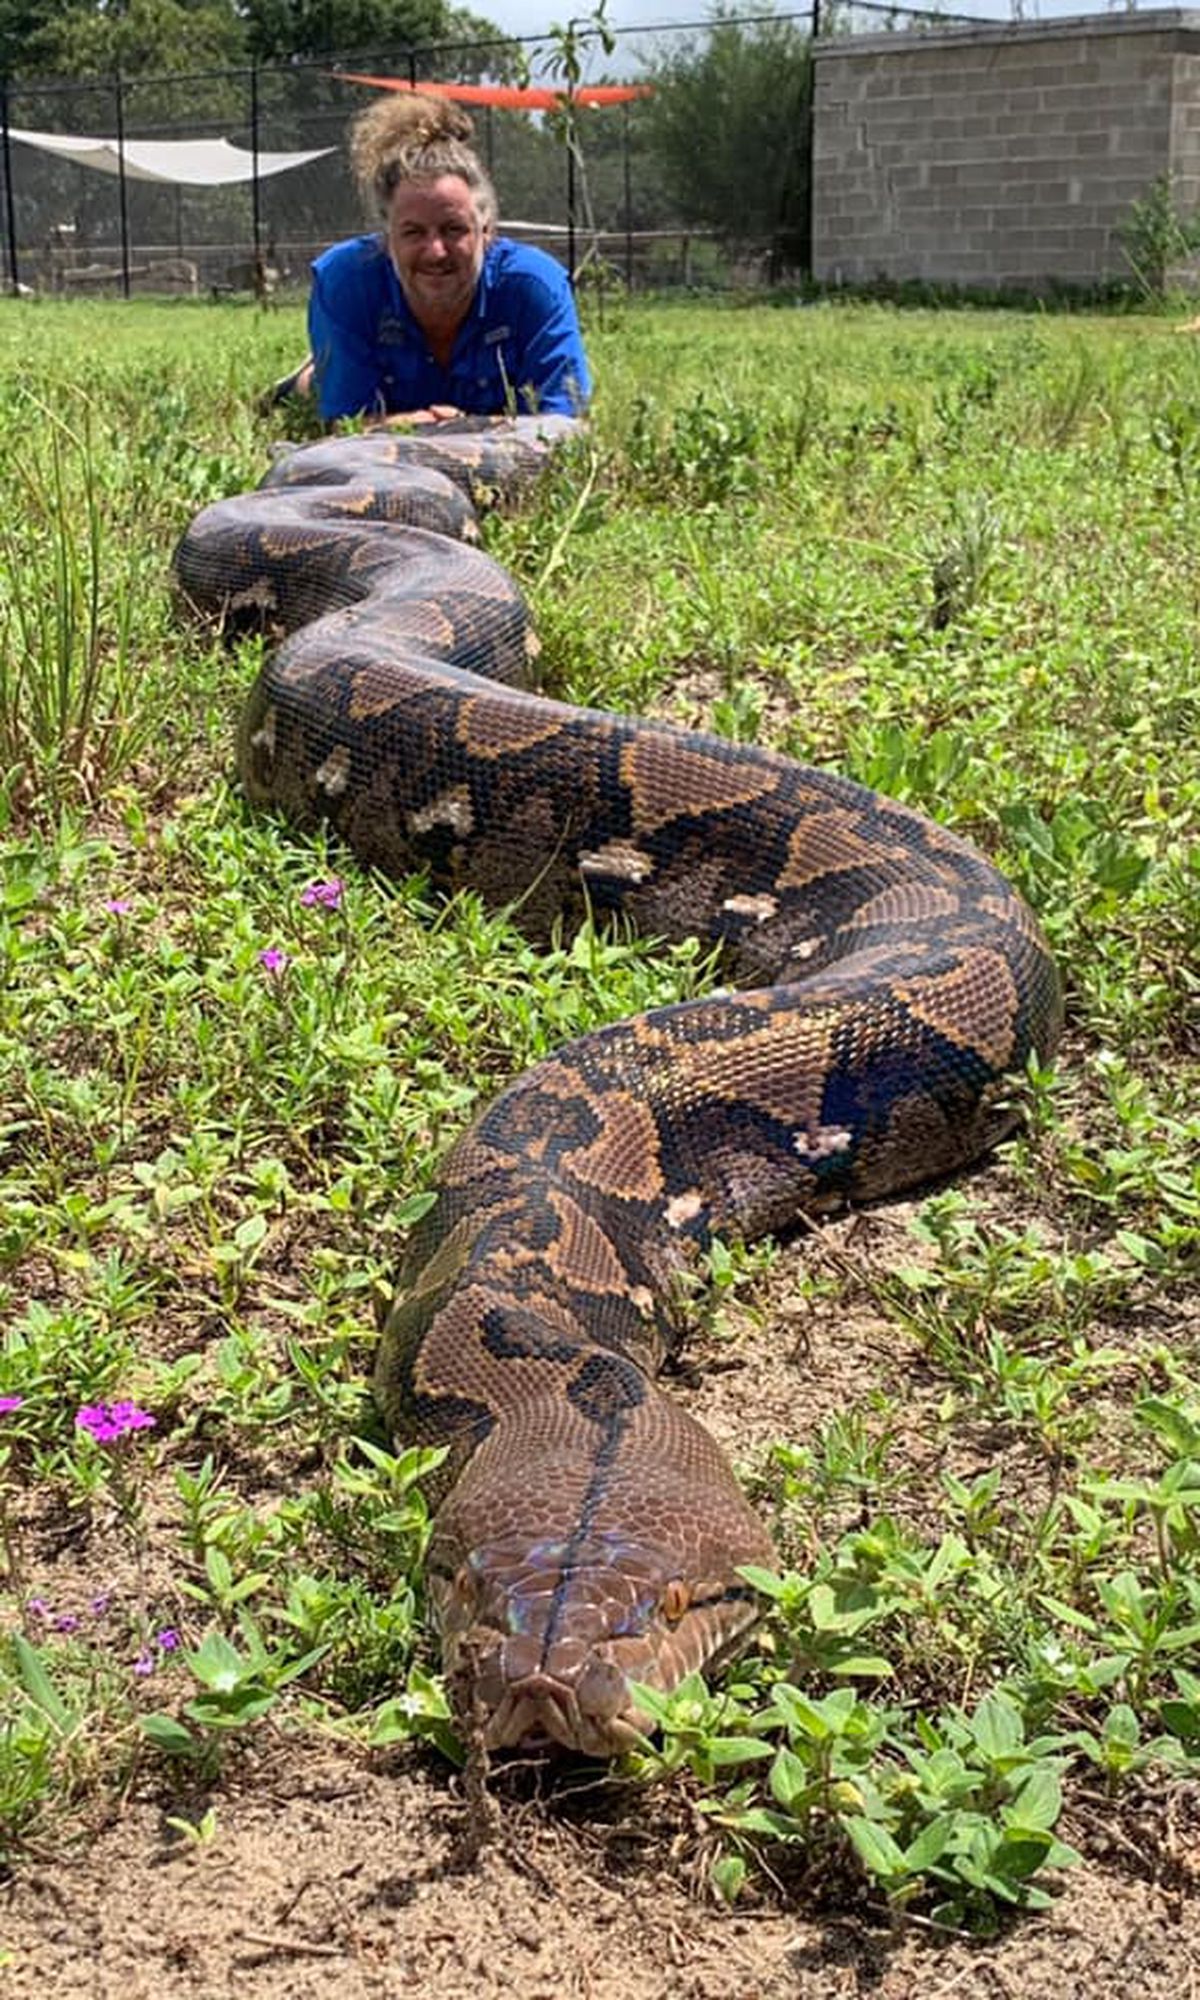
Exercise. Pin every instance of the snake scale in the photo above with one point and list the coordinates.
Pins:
(889, 984)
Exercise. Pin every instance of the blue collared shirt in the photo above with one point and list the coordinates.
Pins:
(520, 344)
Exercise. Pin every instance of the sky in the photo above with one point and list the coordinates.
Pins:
(534, 17)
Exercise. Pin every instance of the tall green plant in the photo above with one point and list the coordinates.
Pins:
(70, 717)
(1157, 234)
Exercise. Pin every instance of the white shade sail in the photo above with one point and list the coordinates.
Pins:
(177, 162)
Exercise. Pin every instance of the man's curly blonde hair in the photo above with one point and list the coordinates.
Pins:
(416, 137)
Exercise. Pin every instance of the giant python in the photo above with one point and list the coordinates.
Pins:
(589, 1533)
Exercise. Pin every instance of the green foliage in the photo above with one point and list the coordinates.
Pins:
(64, 1733)
(704, 453)
(727, 128)
(958, 1811)
(277, 30)
(142, 37)
(161, 38)
(990, 1592)
(1156, 235)
(20, 21)
(68, 724)
(238, 1687)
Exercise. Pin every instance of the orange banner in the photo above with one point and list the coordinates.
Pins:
(506, 96)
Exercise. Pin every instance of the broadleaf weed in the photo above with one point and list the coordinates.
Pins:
(209, 1161)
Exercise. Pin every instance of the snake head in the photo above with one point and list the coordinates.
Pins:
(542, 1641)
(553, 1598)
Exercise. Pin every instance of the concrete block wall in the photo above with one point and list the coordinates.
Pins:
(1000, 156)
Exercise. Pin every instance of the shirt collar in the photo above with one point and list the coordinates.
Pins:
(483, 288)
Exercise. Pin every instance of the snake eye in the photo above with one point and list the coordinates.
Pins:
(675, 1600)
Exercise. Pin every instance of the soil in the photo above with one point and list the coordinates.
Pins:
(326, 1878)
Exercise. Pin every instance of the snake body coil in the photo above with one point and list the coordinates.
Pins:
(590, 1532)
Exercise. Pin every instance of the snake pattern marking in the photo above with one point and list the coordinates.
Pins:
(890, 982)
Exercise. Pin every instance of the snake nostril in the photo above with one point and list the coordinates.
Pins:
(602, 1689)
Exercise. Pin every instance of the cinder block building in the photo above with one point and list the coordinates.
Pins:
(1004, 155)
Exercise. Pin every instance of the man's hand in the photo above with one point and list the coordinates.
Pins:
(402, 420)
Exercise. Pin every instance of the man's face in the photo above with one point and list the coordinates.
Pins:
(437, 239)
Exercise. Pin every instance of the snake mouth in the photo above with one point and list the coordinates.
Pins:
(543, 1714)
(513, 1694)
(516, 1694)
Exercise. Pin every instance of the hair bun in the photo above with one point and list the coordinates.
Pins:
(415, 136)
(425, 118)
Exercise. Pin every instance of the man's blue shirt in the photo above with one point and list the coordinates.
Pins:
(519, 346)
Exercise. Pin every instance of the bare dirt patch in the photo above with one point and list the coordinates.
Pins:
(327, 1877)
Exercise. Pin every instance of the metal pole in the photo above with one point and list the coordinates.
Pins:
(10, 213)
(810, 190)
(571, 179)
(255, 202)
(628, 205)
(126, 285)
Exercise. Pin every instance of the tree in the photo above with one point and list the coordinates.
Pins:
(281, 30)
(137, 37)
(20, 21)
(729, 125)
(96, 38)
(493, 57)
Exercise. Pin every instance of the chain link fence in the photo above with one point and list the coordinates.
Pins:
(585, 184)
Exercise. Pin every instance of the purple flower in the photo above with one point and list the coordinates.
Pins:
(273, 960)
(128, 1417)
(95, 1419)
(99, 1605)
(37, 1607)
(144, 1664)
(66, 1622)
(106, 1422)
(8, 1403)
(168, 1639)
(119, 906)
(328, 893)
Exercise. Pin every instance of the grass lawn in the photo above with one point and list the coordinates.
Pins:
(955, 555)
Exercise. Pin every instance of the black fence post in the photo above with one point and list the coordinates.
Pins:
(628, 194)
(570, 115)
(126, 284)
(809, 147)
(10, 210)
(255, 197)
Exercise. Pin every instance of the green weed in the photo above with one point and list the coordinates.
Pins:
(954, 555)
